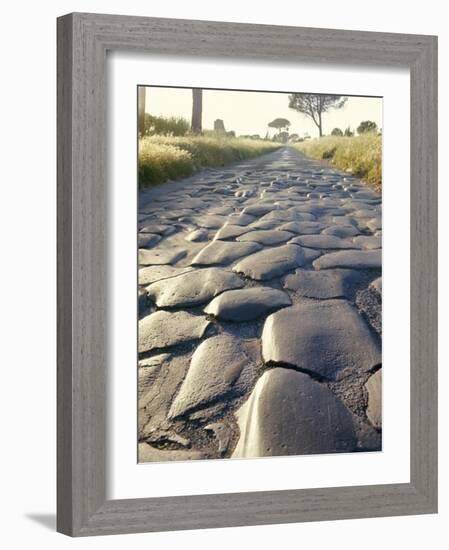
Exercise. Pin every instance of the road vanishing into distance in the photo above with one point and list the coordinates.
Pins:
(259, 312)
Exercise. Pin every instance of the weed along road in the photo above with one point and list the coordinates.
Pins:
(259, 312)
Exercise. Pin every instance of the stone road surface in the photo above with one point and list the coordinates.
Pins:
(259, 312)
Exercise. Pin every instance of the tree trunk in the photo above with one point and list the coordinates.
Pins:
(141, 109)
(320, 125)
(197, 110)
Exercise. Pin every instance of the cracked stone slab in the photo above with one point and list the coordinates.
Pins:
(161, 377)
(327, 338)
(163, 329)
(223, 366)
(272, 262)
(329, 283)
(153, 273)
(247, 304)
(149, 370)
(224, 253)
(161, 256)
(192, 288)
(288, 413)
(268, 238)
(352, 259)
(148, 453)
(322, 241)
(374, 389)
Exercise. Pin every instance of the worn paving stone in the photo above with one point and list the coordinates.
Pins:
(374, 388)
(199, 235)
(148, 371)
(192, 288)
(375, 224)
(322, 241)
(258, 210)
(148, 453)
(343, 231)
(352, 259)
(240, 219)
(282, 216)
(302, 228)
(222, 367)
(327, 338)
(330, 283)
(153, 273)
(247, 304)
(147, 240)
(288, 413)
(159, 379)
(272, 262)
(230, 232)
(211, 221)
(158, 229)
(368, 242)
(268, 237)
(161, 256)
(163, 329)
(224, 253)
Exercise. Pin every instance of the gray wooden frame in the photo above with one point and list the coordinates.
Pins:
(83, 40)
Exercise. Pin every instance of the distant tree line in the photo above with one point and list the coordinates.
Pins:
(313, 106)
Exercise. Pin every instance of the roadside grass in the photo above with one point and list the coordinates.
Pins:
(359, 155)
(163, 158)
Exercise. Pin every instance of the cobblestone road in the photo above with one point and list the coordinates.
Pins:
(259, 312)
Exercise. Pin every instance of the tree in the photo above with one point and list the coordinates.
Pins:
(349, 132)
(197, 110)
(141, 109)
(367, 126)
(281, 137)
(336, 132)
(279, 124)
(314, 105)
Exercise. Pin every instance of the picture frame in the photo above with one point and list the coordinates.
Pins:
(83, 40)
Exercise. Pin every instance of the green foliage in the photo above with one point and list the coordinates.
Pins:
(367, 126)
(163, 126)
(336, 132)
(163, 158)
(348, 132)
(360, 155)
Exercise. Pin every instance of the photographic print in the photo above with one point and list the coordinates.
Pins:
(259, 273)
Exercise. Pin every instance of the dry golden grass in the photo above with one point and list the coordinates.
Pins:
(163, 158)
(360, 155)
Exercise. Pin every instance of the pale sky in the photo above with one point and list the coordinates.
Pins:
(250, 112)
